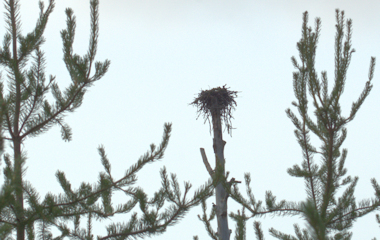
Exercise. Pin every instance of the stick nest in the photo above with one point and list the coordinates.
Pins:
(221, 99)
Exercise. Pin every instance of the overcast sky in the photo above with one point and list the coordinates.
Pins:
(163, 53)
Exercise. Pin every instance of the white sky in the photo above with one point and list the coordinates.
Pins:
(163, 53)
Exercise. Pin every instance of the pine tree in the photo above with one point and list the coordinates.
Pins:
(25, 112)
(328, 216)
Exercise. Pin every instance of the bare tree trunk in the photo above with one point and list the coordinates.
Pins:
(218, 103)
(220, 193)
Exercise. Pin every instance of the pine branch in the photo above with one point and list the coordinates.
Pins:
(79, 70)
(207, 220)
(76, 203)
(240, 218)
(324, 213)
(258, 231)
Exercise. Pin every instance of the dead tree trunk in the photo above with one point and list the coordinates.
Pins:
(220, 193)
(218, 103)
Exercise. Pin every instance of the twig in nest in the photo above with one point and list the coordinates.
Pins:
(215, 100)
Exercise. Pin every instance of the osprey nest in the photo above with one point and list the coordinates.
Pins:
(217, 100)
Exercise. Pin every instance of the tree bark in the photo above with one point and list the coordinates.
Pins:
(220, 193)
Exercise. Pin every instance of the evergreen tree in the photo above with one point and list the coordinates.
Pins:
(328, 216)
(25, 112)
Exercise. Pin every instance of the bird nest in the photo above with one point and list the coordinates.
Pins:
(217, 100)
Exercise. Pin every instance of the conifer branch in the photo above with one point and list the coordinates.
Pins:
(76, 203)
(79, 70)
(327, 216)
(258, 231)
(207, 220)
(26, 113)
(241, 221)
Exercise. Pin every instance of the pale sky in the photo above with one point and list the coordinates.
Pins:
(162, 54)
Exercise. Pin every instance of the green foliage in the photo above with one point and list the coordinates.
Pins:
(206, 220)
(154, 219)
(25, 112)
(327, 215)
(241, 219)
(376, 186)
(258, 231)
